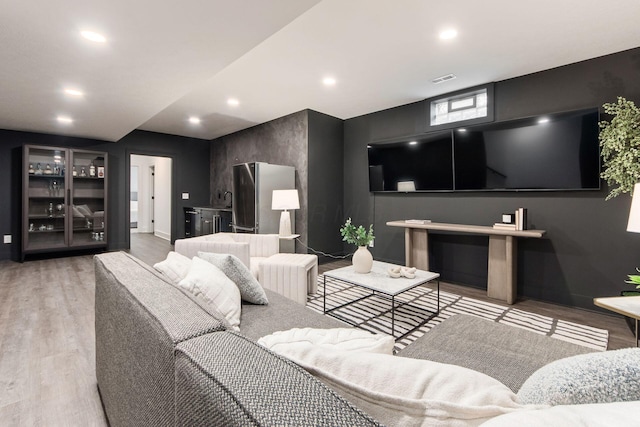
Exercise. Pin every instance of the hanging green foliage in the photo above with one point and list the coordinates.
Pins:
(620, 146)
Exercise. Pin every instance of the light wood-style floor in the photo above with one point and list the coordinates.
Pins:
(47, 359)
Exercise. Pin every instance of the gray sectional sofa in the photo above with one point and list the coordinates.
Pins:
(164, 358)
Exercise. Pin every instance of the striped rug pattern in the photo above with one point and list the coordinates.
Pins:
(375, 312)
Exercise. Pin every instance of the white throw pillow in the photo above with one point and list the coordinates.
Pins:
(250, 290)
(206, 281)
(175, 267)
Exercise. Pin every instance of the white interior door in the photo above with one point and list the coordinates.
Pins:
(152, 198)
(154, 208)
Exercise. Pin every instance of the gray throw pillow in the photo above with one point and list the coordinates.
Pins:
(250, 290)
(602, 377)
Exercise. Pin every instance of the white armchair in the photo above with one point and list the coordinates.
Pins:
(251, 249)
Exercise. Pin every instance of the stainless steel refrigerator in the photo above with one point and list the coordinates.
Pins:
(253, 185)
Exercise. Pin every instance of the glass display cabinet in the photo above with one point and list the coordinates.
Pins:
(64, 199)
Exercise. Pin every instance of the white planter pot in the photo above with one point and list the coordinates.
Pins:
(362, 260)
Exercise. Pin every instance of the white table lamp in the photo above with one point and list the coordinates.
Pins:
(634, 214)
(285, 200)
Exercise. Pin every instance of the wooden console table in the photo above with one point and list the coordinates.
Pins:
(503, 252)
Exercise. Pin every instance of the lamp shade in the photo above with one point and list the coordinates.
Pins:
(634, 214)
(285, 199)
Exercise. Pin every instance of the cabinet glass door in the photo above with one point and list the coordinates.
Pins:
(45, 199)
(87, 216)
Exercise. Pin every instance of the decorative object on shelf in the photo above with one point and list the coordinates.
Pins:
(92, 170)
(48, 170)
(284, 200)
(619, 141)
(516, 221)
(31, 169)
(38, 170)
(417, 221)
(362, 259)
(83, 173)
(100, 171)
(74, 172)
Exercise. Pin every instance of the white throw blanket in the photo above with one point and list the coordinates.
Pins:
(398, 391)
(349, 339)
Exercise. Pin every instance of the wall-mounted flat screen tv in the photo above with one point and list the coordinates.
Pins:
(414, 164)
(553, 152)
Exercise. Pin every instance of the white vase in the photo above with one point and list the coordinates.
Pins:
(362, 260)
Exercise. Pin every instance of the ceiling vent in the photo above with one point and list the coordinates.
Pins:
(444, 78)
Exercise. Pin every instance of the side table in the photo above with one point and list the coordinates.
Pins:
(291, 275)
(628, 306)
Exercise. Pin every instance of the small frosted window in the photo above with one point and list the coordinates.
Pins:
(471, 105)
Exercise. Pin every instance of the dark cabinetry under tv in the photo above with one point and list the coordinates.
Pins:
(551, 152)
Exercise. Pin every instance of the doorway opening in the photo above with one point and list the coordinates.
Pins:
(150, 210)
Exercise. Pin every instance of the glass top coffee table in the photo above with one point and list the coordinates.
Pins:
(383, 286)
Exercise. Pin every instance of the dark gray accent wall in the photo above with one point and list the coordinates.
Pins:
(586, 252)
(307, 140)
(282, 141)
(325, 214)
(190, 174)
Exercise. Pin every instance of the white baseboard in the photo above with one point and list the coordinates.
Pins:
(162, 235)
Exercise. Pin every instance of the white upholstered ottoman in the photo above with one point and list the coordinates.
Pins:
(290, 275)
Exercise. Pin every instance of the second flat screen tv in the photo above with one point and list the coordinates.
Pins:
(555, 152)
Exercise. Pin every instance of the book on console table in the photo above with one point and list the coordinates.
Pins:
(417, 221)
(504, 226)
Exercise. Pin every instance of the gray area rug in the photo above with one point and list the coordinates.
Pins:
(376, 315)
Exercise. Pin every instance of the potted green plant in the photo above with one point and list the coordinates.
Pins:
(362, 259)
(634, 279)
(620, 146)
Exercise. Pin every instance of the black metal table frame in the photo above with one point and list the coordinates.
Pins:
(380, 294)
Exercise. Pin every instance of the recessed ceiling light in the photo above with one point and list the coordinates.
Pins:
(233, 102)
(329, 81)
(93, 36)
(64, 119)
(73, 92)
(413, 143)
(543, 120)
(462, 130)
(448, 34)
(194, 120)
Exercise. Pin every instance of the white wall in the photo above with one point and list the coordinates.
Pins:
(163, 198)
(162, 205)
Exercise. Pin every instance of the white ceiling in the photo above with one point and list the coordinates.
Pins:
(166, 61)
